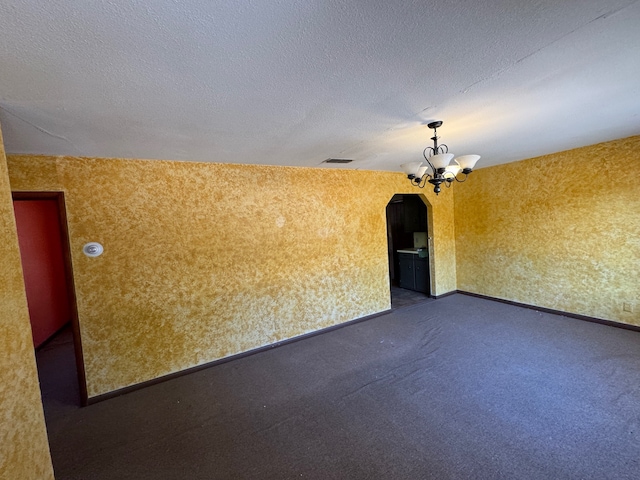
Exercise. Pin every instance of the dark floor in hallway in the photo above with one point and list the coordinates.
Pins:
(401, 297)
(57, 374)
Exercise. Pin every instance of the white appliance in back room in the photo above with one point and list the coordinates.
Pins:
(419, 239)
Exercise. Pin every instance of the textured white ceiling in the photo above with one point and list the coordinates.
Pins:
(288, 82)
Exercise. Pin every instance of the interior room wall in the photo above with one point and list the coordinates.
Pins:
(560, 231)
(206, 260)
(24, 449)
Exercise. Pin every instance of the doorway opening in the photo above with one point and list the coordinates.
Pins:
(43, 238)
(408, 243)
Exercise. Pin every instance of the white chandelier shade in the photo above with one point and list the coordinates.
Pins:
(411, 168)
(452, 170)
(441, 160)
(467, 161)
(423, 170)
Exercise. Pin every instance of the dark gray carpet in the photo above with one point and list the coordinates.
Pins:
(456, 388)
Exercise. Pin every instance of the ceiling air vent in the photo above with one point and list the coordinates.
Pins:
(338, 160)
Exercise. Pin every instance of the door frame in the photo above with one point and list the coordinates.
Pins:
(70, 285)
(430, 247)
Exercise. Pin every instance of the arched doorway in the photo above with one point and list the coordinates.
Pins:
(408, 250)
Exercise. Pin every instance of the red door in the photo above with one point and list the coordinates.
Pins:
(38, 227)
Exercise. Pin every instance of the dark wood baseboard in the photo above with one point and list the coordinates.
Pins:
(452, 292)
(197, 368)
(587, 318)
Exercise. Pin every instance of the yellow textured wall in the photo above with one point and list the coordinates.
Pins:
(443, 246)
(560, 231)
(207, 260)
(24, 450)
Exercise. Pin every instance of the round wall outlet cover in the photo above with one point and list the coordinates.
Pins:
(93, 249)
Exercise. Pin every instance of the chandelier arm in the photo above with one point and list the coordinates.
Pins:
(424, 154)
(424, 180)
(463, 180)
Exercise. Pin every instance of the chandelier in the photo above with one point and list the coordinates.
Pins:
(439, 168)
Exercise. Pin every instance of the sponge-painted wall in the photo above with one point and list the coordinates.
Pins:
(560, 231)
(24, 450)
(205, 260)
